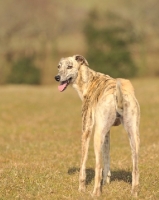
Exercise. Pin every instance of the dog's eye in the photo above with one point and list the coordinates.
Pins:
(69, 67)
(58, 66)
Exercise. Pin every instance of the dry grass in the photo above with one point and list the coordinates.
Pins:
(40, 131)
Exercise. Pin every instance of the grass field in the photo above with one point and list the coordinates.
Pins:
(40, 143)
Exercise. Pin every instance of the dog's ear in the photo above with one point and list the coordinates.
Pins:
(81, 60)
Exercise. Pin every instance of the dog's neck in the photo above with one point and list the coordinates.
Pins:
(83, 80)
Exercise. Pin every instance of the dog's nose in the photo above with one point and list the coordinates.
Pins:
(57, 78)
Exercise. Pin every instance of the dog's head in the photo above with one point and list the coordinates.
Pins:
(68, 70)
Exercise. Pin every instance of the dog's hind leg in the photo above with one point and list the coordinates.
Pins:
(106, 159)
(104, 119)
(85, 145)
(131, 117)
(98, 143)
(99, 139)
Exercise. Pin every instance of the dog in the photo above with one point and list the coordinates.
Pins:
(106, 102)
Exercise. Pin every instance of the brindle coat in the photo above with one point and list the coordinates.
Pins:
(106, 102)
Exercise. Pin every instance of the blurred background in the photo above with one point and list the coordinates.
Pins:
(119, 38)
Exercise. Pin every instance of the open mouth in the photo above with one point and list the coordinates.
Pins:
(63, 85)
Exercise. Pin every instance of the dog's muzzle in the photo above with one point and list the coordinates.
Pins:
(57, 78)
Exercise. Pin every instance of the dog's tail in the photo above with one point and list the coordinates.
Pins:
(119, 97)
(123, 87)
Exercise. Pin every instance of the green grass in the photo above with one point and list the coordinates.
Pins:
(40, 145)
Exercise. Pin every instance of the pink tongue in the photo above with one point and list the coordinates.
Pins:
(62, 87)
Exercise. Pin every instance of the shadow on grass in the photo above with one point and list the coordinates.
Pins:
(118, 175)
(89, 173)
(121, 175)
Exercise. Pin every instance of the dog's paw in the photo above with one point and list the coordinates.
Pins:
(82, 188)
(96, 192)
(134, 191)
(107, 181)
(106, 177)
(134, 194)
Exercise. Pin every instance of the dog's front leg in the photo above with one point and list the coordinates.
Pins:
(85, 146)
(87, 125)
(131, 118)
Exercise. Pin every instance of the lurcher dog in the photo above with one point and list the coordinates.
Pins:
(106, 102)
